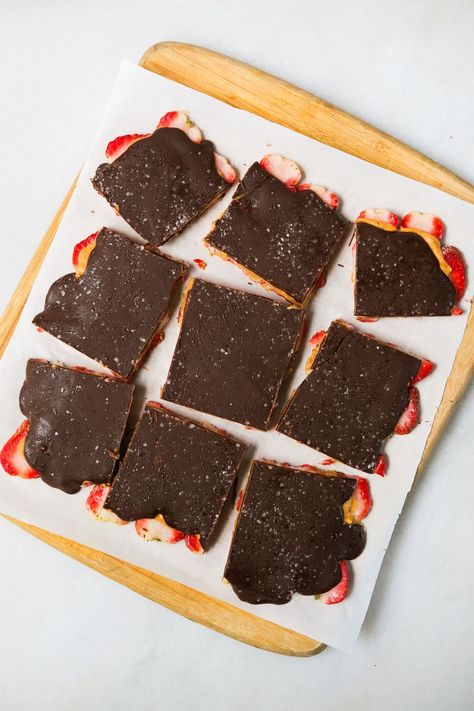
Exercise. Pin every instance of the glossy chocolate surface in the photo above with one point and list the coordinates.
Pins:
(77, 421)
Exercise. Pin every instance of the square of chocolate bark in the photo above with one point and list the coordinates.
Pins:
(77, 420)
(233, 353)
(353, 397)
(291, 535)
(161, 183)
(399, 272)
(116, 308)
(282, 237)
(176, 468)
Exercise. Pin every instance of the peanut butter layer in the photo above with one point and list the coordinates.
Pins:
(290, 535)
(161, 183)
(233, 352)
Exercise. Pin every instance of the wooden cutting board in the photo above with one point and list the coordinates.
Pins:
(248, 88)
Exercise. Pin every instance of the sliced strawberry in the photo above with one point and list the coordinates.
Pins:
(282, 168)
(12, 455)
(240, 498)
(180, 119)
(120, 144)
(410, 416)
(360, 502)
(156, 529)
(381, 466)
(201, 263)
(95, 504)
(425, 369)
(381, 214)
(366, 319)
(329, 461)
(339, 592)
(156, 340)
(224, 168)
(308, 467)
(317, 338)
(326, 195)
(81, 253)
(458, 269)
(321, 281)
(193, 543)
(425, 222)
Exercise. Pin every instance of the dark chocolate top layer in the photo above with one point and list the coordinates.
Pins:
(77, 421)
(113, 310)
(284, 236)
(233, 352)
(352, 399)
(161, 183)
(397, 274)
(176, 468)
(291, 536)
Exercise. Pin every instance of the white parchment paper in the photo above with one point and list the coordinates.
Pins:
(139, 98)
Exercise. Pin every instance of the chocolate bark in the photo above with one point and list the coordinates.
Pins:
(77, 421)
(112, 312)
(286, 237)
(233, 352)
(161, 183)
(290, 535)
(397, 274)
(177, 468)
(352, 399)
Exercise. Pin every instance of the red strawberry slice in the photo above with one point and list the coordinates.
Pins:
(426, 368)
(317, 338)
(240, 498)
(12, 455)
(410, 416)
(326, 195)
(366, 319)
(224, 168)
(381, 465)
(201, 263)
(339, 592)
(81, 253)
(120, 144)
(360, 502)
(95, 504)
(381, 214)
(181, 120)
(193, 543)
(458, 274)
(425, 222)
(156, 529)
(282, 168)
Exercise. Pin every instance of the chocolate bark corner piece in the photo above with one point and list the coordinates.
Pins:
(76, 420)
(398, 274)
(113, 311)
(161, 183)
(290, 535)
(352, 399)
(177, 468)
(233, 352)
(282, 236)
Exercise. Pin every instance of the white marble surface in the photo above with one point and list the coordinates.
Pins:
(70, 638)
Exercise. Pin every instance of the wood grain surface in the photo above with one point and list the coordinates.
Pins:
(248, 88)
